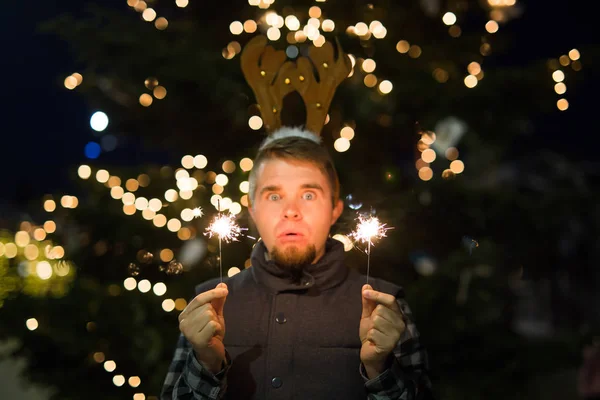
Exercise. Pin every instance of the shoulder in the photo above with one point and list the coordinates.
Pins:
(233, 283)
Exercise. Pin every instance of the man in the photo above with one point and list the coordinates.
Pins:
(298, 324)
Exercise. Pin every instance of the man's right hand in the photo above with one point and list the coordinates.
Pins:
(203, 325)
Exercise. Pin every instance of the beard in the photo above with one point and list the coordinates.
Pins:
(293, 260)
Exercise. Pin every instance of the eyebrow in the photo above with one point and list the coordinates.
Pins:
(275, 188)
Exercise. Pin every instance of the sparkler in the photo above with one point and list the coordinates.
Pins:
(368, 229)
(224, 227)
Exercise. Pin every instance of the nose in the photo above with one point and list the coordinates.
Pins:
(291, 211)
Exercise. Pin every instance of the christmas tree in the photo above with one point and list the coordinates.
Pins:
(436, 130)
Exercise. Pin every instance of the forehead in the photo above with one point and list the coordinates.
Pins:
(289, 172)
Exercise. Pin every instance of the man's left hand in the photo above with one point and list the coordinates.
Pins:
(381, 326)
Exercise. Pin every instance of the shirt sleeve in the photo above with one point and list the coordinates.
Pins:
(187, 379)
(407, 376)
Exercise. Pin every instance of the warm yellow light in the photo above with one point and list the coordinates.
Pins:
(402, 46)
(246, 164)
(31, 251)
(129, 284)
(159, 220)
(160, 92)
(415, 51)
(184, 233)
(319, 41)
(144, 286)
(471, 81)
(328, 25)
(425, 174)
(116, 192)
(113, 181)
(140, 396)
(228, 166)
(221, 179)
(560, 88)
(102, 176)
(166, 255)
(10, 250)
(440, 75)
(141, 203)
(32, 324)
(43, 269)
(474, 68)
(314, 12)
(341, 144)
(168, 305)
(385, 87)
(119, 380)
(491, 26)
(98, 357)
(457, 166)
(50, 226)
(146, 100)
(132, 185)
(174, 225)
(347, 132)
(449, 18)
(273, 33)
(143, 180)
(22, 238)
(182, 3)
(361, 29)
(368, 65)
(39, 234)
(49, 205)
(84, 171)
(161, 23)
(128, 199)
(159, 289)
(57, 253)
(148, 214)
(70, 82)
(236, 27)
(370, 80)
(217, 189)
(129, 209)
(558, 76)
(233, 271)
(235, 208)
(255, 122)
(180, 304)
(149, 14)
(244, 200)
(140, 6)
(574, 55)
(250, 26)
(200, 161)
(187, 161)
(134, 381)
(428, 155)
(562, 104)
(110, 366)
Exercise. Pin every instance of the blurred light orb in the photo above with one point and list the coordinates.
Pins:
(181, 3)
(92, 150)
(558, 76)
(255, 122)
(84, 171)
(201, 161)
(341, 144)
(292, 51)
(449, 18)
(159, 289)
(385, 87)
(32, 324)
(144, 286)
(149, 14)
(236, 28)
(233, 271)
(345, 240)
(43, 269)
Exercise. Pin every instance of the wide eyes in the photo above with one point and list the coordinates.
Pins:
(277, 197)
(308, 196)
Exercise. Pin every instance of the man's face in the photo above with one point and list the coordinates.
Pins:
(292, 210)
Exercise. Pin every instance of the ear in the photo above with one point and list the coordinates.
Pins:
(337, 211)
(251, 211)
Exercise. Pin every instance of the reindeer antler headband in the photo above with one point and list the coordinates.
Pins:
(271, 78)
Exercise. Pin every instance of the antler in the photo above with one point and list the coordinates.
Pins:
(317, 96)
(262, 67)
(271, 79)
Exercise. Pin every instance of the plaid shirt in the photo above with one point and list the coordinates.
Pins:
(405, 379)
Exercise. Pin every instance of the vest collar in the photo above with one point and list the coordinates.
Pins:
(326, 273)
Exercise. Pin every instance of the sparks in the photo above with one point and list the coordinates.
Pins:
(198, 212)
(368, 229)
(224, 227)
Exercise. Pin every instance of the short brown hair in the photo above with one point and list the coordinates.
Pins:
(296, 148)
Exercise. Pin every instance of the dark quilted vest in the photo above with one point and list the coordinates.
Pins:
(295, 340)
